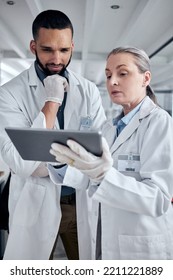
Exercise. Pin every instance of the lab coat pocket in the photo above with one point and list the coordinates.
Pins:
(142, 247)
(29, 204)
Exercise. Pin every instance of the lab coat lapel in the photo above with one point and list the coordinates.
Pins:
(36, 85)
(32, 76)
(36, 88)
(109, 132)
(144, 111)
(72, 100)
(126, 132)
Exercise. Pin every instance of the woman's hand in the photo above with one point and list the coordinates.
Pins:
(89, 164)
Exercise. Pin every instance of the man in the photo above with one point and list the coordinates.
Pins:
(47, 95)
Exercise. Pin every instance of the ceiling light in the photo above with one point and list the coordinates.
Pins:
(10, 3)
(115, 7)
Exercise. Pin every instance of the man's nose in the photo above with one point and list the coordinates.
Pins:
(56, 57)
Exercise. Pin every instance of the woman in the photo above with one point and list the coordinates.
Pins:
(134, 190)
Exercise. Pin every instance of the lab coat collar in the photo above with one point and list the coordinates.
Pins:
(32, 76)
(146, 108)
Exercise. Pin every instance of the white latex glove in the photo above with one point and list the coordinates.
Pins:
(55, 86)
(89, 164)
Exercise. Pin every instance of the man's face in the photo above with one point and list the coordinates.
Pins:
(53, 49)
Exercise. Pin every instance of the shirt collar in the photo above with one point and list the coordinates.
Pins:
(121, 119)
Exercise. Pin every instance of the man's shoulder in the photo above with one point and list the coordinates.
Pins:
(20, 79)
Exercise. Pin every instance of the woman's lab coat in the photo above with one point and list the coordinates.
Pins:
(34, 202)
(136, 208)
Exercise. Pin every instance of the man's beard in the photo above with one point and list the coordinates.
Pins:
(46, 70)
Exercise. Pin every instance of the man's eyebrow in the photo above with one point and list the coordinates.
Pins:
(50, 48)
(45, 47)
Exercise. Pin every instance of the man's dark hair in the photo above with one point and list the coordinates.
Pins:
(51, 19)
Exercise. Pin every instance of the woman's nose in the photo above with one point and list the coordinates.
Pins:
(114, 81)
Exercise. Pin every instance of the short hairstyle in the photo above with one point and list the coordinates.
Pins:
(51, 19)
(142, 61)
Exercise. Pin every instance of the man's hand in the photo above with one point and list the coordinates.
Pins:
(55, 86)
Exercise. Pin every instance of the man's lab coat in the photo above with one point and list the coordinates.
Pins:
(34, 202)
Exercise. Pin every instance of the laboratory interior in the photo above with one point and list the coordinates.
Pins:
(99, 27)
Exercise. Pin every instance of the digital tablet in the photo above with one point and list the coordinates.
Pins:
(34, 144)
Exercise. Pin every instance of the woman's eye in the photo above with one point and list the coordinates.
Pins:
(123, 73)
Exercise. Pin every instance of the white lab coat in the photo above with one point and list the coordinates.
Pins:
(136, 209)
(34, 202)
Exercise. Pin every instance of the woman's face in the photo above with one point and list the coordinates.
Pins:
(125, 84)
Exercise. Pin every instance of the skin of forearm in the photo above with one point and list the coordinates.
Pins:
(50, 110)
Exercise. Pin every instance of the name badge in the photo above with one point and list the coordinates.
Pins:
(129, 163)
(86, 123)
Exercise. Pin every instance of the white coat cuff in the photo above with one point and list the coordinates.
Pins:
(75, 178)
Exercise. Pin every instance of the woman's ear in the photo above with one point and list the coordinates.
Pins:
(147, 78)
(33, 46)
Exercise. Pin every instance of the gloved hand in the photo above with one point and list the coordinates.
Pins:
(55, 86)
(89, 164)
